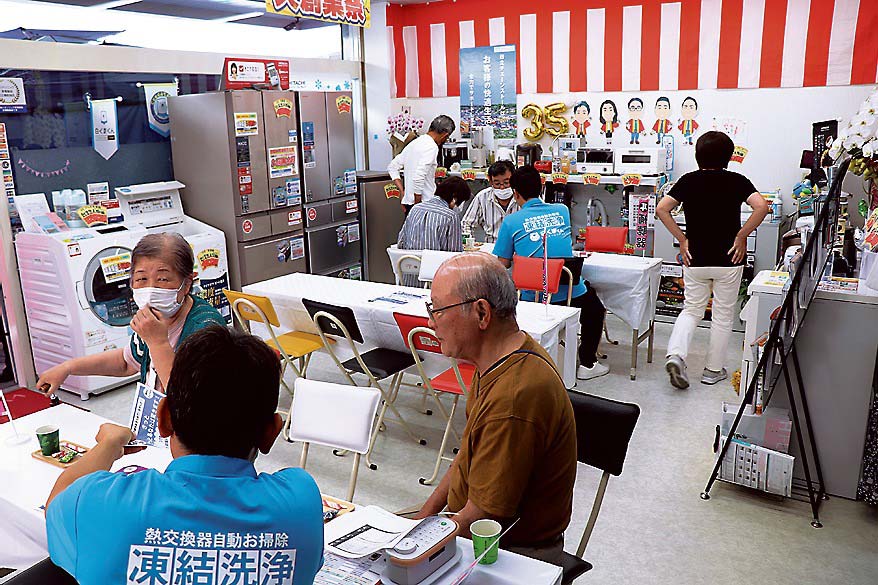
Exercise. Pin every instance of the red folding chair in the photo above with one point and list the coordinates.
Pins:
(527, 274)
(455, 381)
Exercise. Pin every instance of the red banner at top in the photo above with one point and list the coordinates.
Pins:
(353, 12)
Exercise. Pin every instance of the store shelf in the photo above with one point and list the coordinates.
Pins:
(645, 181)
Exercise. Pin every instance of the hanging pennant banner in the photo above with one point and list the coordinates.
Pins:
(105, 127)
(353, 12)
(157, 95)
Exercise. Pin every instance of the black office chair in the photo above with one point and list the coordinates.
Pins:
(43, 573)
(377, 364)
(603, 429)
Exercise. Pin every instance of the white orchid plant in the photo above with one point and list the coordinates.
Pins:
(859, 139)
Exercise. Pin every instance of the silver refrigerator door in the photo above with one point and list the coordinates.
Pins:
(382, 218)
(282, 148)
(342, 155)
(248, 148)
(315, 146)
(271, 258)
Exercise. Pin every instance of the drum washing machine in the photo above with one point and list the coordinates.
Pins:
(76, 283)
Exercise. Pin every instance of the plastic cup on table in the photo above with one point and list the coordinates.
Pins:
(50, 439)
(485, 533)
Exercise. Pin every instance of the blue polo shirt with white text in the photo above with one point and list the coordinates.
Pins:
(522, 233)
(205, 520)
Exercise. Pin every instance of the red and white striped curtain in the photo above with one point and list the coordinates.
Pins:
(638, 45)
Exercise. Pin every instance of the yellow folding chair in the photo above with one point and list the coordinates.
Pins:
(294, 347)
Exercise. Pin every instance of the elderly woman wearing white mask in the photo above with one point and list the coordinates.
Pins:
(162, 272)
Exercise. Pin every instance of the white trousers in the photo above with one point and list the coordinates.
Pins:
(699, 282)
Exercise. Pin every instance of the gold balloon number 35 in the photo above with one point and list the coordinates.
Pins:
(545, 120)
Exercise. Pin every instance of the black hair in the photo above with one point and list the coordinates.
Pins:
(580, 104)
(453, 188)
(632, 100)
(233, 68)
(690, 98)
(615, 112)
(501, 167)
(714, 150)
(222, 393)
(526, 182)
(663, 99)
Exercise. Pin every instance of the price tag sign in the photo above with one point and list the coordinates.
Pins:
(559, 178)
(631, 180)
(468, 175)
(392, 191)
(543, 178)
(739, 154)
(441, 172)
(591, 179)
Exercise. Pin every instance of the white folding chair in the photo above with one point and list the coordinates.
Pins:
(407, 265)
(334, 415)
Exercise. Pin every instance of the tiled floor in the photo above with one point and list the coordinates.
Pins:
(653, 528)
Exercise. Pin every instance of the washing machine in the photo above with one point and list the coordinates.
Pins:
(76, 283)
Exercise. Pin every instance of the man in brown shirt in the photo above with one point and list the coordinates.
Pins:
(518, 452)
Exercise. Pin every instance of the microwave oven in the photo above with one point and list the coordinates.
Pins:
(594, 160)
(641, 161)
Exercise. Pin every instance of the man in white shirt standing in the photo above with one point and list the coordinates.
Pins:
(492, 204)
(418, 161)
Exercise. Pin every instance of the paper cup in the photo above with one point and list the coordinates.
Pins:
(49, 438)
(485, 533)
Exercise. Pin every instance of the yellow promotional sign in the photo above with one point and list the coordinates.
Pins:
(353, 12)
(93, 215)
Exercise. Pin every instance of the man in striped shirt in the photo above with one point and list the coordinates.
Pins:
(491, 205)
(434, 224)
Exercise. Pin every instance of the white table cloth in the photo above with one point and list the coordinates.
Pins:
(375, 317)
(25, 482)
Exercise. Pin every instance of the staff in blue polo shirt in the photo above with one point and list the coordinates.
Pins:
(522, 234)
(209, 518)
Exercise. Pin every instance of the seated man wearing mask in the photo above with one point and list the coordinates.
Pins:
(492, 204)
(209, 518)
(517, 456)
(162, 271)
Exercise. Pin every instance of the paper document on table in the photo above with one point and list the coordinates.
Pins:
(144, 417)
(365, 531)
(401, 298)
(340, 571)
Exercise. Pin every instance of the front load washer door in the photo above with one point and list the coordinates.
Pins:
(107, 284)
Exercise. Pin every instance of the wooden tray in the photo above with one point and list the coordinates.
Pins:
(341, 506)
(65, 446)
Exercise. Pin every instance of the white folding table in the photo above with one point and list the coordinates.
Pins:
(549, 326)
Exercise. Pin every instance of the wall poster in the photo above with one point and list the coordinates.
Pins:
(488, 90)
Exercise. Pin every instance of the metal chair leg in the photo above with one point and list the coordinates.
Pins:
(445, 413)
(649, 342)
(352, 484)
(634, 338)
(369, 463)
(441, 455)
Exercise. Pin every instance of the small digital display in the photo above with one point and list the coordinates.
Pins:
(636, 159)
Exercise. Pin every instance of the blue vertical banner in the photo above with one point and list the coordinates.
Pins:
(488, 90)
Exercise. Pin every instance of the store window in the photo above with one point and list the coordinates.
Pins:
(51, 144)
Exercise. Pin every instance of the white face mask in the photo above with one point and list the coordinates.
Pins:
(163, 300)
(503, 193)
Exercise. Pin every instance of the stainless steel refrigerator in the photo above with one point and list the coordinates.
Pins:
(332, 204)
(382, 219)
(238, 153)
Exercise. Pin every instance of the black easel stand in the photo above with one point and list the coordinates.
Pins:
(781, 346)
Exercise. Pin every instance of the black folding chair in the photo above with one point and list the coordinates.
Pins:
(377, 364)
(43, 573)
(603, 429)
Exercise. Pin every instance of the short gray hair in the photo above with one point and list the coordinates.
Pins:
(488, 280)
(442, 125)
(168, 246)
